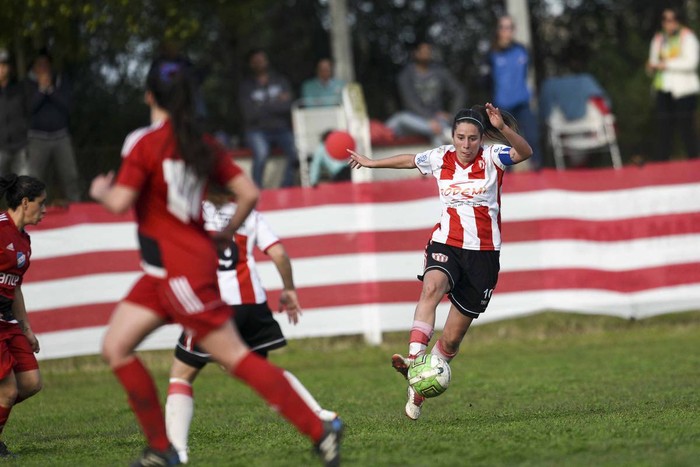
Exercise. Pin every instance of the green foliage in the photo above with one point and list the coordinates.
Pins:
(546, 390)
(105, 45)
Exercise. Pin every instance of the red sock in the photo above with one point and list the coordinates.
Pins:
(4, 415)
(143, 399)
(269, 381)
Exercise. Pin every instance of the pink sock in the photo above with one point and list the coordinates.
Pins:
(439, 350)
(418, 340)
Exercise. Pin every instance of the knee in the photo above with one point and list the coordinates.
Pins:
(113, 355)
(432, 290)
(30, 389)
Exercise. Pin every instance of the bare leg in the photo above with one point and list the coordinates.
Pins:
(129, 325)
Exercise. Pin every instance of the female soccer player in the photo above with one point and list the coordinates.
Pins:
(462, 257)
(164, 173)
(242, 289)
(19, 370)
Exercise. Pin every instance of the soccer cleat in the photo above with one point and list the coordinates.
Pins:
(401, 364)
(4, 452)
(153, 458)
(328, 447)
(414, 404)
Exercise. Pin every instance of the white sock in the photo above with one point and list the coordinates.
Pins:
(179, 408)
(440, 352)
(304, 393)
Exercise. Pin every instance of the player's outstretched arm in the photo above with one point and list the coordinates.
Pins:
(401, 161)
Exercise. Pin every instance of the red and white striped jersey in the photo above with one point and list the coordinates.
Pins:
(240, 283)
(470, 196)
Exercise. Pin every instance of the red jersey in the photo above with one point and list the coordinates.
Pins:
(15, 250)
(172, 239)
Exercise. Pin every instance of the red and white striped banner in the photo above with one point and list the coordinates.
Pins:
(619, 242)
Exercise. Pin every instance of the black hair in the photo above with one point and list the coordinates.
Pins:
(14, 188)
(172, 86)
(477, 116)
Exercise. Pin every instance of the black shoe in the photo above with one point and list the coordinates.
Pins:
(153, 458)
(328, 448)
(4, 452)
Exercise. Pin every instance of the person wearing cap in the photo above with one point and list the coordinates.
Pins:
(49, 135)
(13, 120)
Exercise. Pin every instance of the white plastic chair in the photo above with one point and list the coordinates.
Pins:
(309, 123)
(593, 133)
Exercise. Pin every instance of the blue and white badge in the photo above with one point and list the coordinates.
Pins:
(21, 259)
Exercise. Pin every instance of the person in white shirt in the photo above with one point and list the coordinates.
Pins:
(462, 256)
(242, 289)
(674, 55)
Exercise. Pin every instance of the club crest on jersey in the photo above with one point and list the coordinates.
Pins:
(21, 259)
(439, 257)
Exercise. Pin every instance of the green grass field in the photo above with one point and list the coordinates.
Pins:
(552, 389)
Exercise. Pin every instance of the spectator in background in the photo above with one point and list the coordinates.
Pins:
(49, 136)
(13, 120)
(324, 89)
(429, 96)
(505, 75)
(673, 63)
(266, 97)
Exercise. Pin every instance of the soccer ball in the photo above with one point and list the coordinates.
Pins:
(429, 375)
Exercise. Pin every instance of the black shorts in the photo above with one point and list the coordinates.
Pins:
(260, 331)
(472, 274)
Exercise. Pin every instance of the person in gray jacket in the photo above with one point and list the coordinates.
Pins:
(49, 136)
(429, 95)
(13, 120)
(266, 99)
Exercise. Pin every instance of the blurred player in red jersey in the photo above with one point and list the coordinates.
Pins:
(241, 288)
(19, 370)
(164, 174)
(462, 257)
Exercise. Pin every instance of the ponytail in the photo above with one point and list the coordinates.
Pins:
(173, 89)
(14, 188)
(478, 117)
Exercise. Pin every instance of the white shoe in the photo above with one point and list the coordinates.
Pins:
(414, 404)
(184, 457)
(327, 415)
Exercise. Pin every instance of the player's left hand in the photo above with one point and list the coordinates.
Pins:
(495, 116)
(289, 303)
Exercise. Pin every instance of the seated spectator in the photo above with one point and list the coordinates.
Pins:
(324, 89)
(265, 98)
(322, 164)
(13, 115)
(430, 95)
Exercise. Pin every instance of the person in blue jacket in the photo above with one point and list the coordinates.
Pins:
(505, 75)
